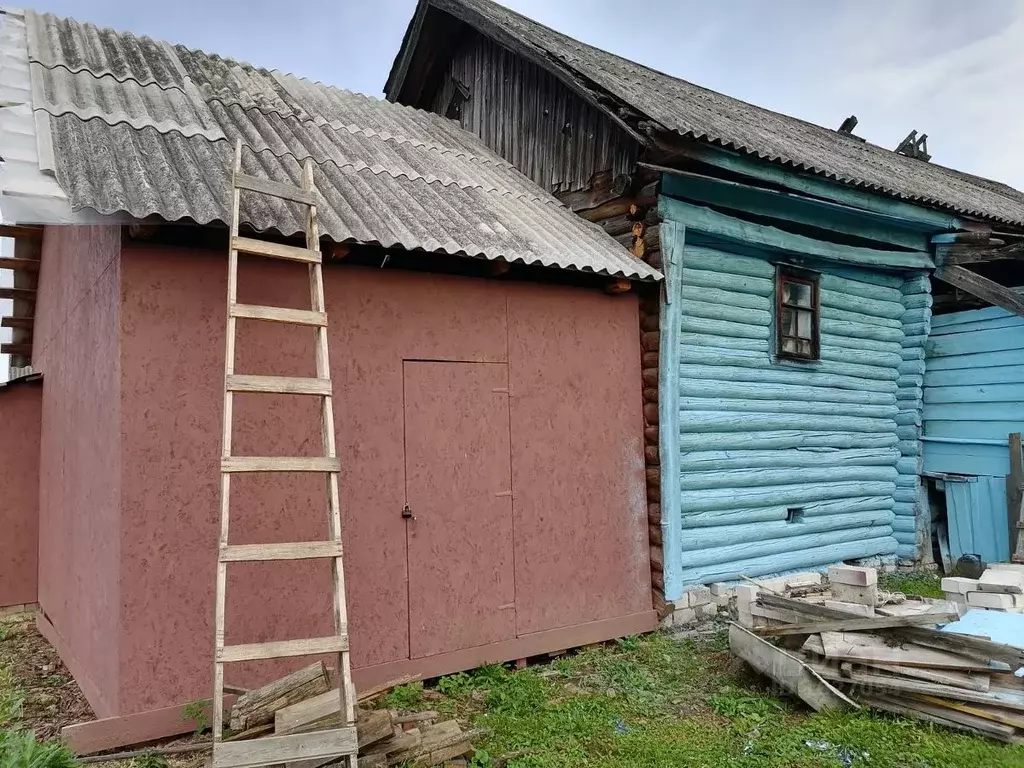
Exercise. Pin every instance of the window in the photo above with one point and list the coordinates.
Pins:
(796, 316)
(460, 95)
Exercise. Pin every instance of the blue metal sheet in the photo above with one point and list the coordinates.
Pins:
(977, 516)
(1000, 627)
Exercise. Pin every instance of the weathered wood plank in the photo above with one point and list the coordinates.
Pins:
(279, 314)
(258, 706)
(982, 287)
(280, 749)
(303, 550)
(275, 250)
(282, 385)
(277, 649)
(275, 189)
(280, 464)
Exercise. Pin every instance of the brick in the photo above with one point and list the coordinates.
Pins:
(797, 580)
(852, 574)
(993, 600)
(855, 609)
(720, 588)
(745, 619)
(722, 601)
(1001, 581)
(1017, 567)
(959, 585)
(848, 593)
(698, 596)
(668, 622)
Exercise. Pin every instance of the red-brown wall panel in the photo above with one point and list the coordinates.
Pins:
(20, 406)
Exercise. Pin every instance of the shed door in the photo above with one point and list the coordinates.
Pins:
(458, 487)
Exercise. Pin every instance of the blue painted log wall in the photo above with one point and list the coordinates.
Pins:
(836, 439)
(973, 391)
(911, 526)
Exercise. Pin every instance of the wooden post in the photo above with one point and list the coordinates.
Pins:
(1015, 498)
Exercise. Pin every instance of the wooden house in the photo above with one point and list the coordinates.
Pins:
(784, 361)
(483, 355)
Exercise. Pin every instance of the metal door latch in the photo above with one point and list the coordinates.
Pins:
(406, 512)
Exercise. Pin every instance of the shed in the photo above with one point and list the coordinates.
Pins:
(484, 346)
(784, 361)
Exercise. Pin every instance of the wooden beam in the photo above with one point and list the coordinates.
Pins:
(982, 287)
(25, 350)
(24, 294)
(618, 286)
(10, 230)
(951, 255)
(20, 265)
(17, 322)
(857, 624)
(700, 219)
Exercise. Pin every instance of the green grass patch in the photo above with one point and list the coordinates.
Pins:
(657, 702)
(920, 583)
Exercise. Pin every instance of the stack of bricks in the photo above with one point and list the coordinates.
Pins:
(750, 614)
(854, 589)
(692, 608)
(1000, 588)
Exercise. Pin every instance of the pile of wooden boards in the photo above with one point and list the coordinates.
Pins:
(900, 663)
(304, 701)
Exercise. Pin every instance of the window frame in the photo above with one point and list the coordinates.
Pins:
(785, 274)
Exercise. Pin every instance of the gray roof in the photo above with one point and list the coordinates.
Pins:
(698, 113)
(136, 127)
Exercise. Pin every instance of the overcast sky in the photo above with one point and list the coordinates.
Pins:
(950, 68)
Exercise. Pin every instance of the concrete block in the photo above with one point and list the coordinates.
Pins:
(684, 617)
(854, 609)
(1017, 567)
(698, 596)
(849, 593)
(1009, 582)
(959, 585)
(668, 622)
(719, 588)
(707, 611)
(745, 595)
(798, 580)
(852, 574)
(745, 619)
(722, 601)
(993, 600)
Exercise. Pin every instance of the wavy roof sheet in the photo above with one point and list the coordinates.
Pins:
(129, 125)
(699, 113)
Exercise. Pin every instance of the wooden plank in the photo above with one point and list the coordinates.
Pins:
(304, 550)
(280, 464)
(858, 624)
(965, 645)
(973, 681)
(282, 385)
(900, 685)
(292, 718)
(19, 265)
(275, 189)
(982, 287)
(280, 749)
(994, 714)
(274, 250)
(277, 649)
(787, 670)
(257, 707)
(124, 730)
(1015, 498)
(29, 233)
(18, 294)
(922, 711)
(25, 350)
(873, 649)
(17, 322)
(952, 255)
(279, 314)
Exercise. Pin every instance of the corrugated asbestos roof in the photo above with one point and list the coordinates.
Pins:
(128, 125)
(695, 112)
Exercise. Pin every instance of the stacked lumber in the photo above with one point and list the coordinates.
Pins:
(896, 660)
(304, 701)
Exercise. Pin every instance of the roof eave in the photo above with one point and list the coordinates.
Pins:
(410, 41)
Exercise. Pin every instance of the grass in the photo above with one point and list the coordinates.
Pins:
(922, 583)
(655, 701)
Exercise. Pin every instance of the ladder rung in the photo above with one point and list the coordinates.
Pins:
(282, 385)
(271, 750)
(275, 189)
(303, 550)
(275, 250)
(280, 464)
(279, 314)
(277, 649)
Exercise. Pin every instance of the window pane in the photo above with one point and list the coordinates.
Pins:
(803, 348)
(789, 346)
(789, 322)
(796, 293)
(804, 324)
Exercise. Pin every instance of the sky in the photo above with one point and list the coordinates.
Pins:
(948, 68)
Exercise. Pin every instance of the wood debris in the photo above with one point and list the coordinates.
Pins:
(296, 704)
(896, 660)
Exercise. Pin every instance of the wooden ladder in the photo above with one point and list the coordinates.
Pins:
(339, 742)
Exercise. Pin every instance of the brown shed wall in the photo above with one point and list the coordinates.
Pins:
(19, 479)
(578, 512)
(76, 348)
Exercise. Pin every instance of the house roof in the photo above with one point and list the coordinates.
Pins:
(107, 122)
(677, 106)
